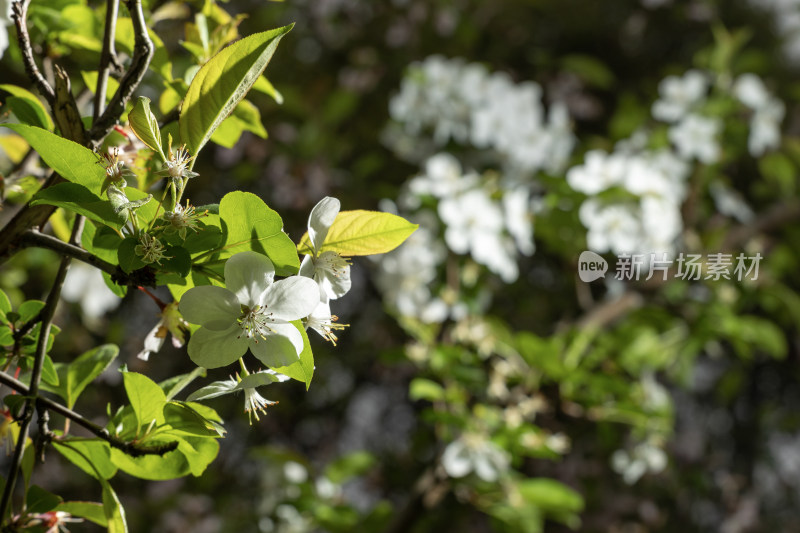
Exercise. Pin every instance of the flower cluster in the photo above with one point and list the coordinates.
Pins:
(649, 219)
(464, 102)
(636, 191)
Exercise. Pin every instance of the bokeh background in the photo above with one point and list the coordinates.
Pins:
(480, 385)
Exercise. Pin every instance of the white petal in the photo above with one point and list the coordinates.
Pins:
(456, 460)
(291, 299)
(321, 219)
(213, 349)
(213, 307)
(484, 469)
(279, 349)
(307, 267)
(152, 343)
(248, 274)
(333, 286)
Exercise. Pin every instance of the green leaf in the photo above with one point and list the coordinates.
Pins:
(425, 389)
(218, 388)
(146, 397)
(246, 117)
(258, 379)
(145, 125)
(92, 456)
(302, 370)
(185, 419)
(173, 386)
(253, 226)
(81, 200)
(49, 372)
(172, 464)
(38, 500)
(43, 118)
(178, 261)
(102, 241)
(126, 255)
(90, 79)
(27, 112)
(263, 85)
(72, 161)
(5, 303)
(75, 376)
(91, 511)
(112, 508)
(550, 495)
(363, 233)
(199, 452)
(221, 84)
(29, 309)
(349, 466)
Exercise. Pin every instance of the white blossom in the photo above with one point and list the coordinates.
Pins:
(254, 312)
(678, 96)
(695, 137)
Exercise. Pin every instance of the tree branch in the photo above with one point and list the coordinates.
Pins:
(142, 53)
(19, 10)
(106, 57)
(142, 277)
(133, 449)
(48, 311)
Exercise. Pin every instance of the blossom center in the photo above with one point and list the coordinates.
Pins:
(333, 263)
(255, 322)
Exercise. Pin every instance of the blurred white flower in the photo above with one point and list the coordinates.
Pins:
(600, 171)
(85, 285)
(613, 227)
(474, 453)
(695, 136)
(475, 225)
(751, 91)
(443, 177)
(765, 128)
(634, 464)
(679, 95)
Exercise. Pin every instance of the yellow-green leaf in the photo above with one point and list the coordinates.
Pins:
(145, 125)
(363, 233)
(221, 84)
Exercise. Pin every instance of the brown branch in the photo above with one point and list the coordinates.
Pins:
(19, 10)
(133, 449)
(107, 57)
(48, 311)
(142, 53)
(141, 277)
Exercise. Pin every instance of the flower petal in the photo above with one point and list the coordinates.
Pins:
(248, 274)
(210, 306)
(153, 342)
(321, 219)
(307, 267)
(281, 348)
(213, 349)
(334, 286)
(291, 298)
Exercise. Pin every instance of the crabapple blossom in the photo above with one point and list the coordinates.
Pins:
(329, 269)
(251, 312)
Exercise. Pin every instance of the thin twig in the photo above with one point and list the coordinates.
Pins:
(35, 238)
(106, 58)
(134, 449)
(142, 53)
(19, 14)
(48, 311)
